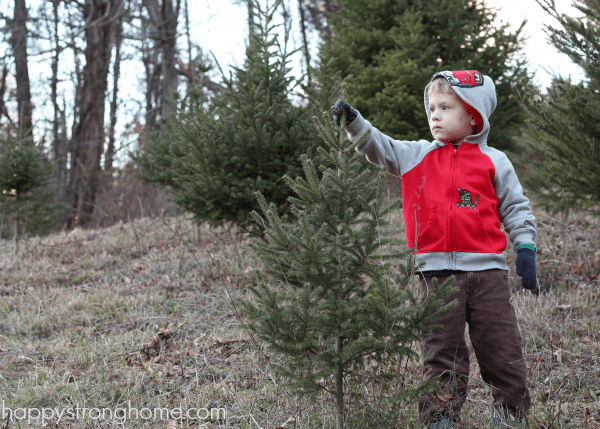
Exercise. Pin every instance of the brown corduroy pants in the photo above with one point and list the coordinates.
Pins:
(484, 305)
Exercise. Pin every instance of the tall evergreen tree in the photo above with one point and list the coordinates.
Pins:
(338, 318)
(393, 47)
(565, 125)
(216, 158)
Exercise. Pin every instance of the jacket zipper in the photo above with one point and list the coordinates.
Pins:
(452, 209)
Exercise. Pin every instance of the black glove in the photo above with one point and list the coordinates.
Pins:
(526, 267)
(336, 111)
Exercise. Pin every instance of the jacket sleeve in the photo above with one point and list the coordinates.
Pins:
(396, 156)
(513, 207)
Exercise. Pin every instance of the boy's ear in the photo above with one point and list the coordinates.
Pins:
(473, 121)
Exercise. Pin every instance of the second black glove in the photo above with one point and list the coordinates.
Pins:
(526, 267)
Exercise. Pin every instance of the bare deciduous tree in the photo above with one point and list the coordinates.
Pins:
(89, 136)
(304, 38)
(18, 42)
(164, 15)
(110, 149)
(319, 12)
(59, 137)
(4, 72)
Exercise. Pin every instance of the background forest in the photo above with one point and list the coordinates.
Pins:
(94, 116)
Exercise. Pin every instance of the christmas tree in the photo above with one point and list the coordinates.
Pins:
(214, 158)
(26, 203)
(393, 47)
(330, 307)
(565, 128)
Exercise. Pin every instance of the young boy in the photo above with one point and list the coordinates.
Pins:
(456, 190)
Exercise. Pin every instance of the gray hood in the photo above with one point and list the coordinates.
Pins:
(475, 89)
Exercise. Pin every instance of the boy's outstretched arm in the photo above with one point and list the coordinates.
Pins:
(395, 156)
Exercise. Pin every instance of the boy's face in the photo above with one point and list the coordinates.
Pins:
(449, 119)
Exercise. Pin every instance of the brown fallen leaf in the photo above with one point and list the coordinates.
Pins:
(172, 424)
(443, 398)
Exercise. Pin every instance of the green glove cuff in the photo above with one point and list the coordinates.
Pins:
(526, 246)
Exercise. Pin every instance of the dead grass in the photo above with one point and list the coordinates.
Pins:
(126, 315)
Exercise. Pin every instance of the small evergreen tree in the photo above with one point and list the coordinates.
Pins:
(565, 124)
(25, 200)
(216, 157)
(393, 47)
(337, 317)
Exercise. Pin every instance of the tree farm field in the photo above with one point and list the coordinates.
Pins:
(139, 315)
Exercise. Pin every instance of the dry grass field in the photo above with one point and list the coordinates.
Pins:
(139, 316)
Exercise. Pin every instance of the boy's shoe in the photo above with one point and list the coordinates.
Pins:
(499, 422)
(442, 423)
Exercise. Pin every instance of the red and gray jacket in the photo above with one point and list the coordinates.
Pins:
(454, 200)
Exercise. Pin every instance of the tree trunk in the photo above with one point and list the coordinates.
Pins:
(89, 133)
(285, 14)
(250, 20)
(339, 383)
(169, 54)
(18, 42)
(339, 341)
(59, 142)
(152, 91)
(77, 77)
(330, 8)
(191, 65)
(304, 38)
(319, 12)
(164, 20)
(4, 72)
(16, 236)
(110, 150)
(152, 72)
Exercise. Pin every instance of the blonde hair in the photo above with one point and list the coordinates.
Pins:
(440, 84)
